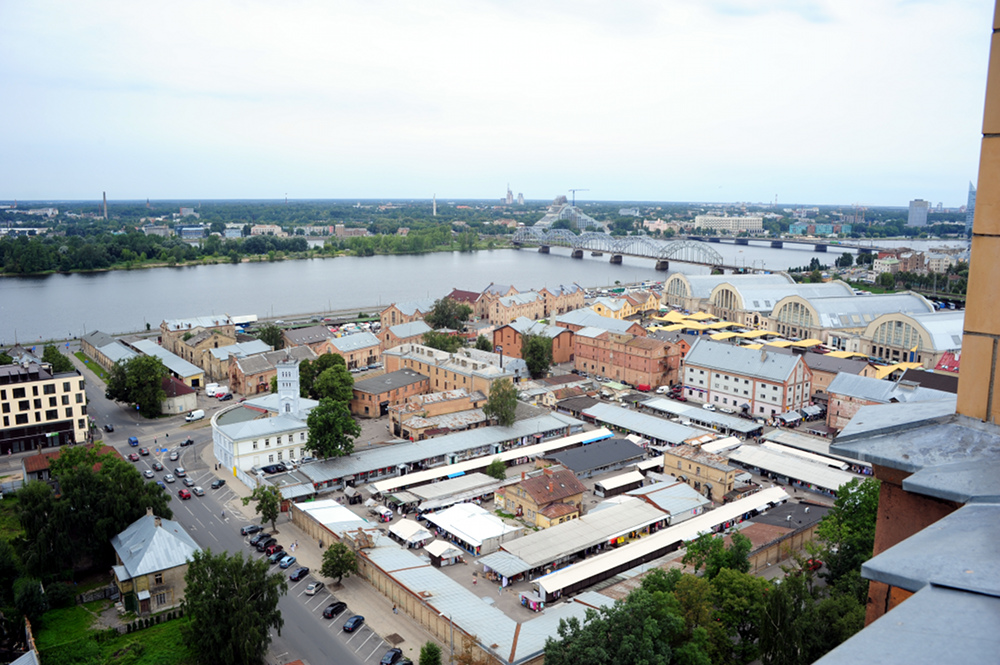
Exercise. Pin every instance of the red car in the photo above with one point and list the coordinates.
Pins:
(184, 494)
(133, 457)
(814, 564)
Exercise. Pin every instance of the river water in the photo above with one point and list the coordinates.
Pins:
(65, 306)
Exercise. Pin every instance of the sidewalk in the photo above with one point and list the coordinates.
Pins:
(361, 597)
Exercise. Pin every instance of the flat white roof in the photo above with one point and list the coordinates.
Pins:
(633, 552)
(442, 548)
(621, 479)
(812, 457)
(334, 516)
(471, 523)
(819, 475)
(409, 530)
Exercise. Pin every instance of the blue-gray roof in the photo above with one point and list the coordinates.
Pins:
(675, 498)
(755, 363)
(404, 330)
(526, 326)
(146, 548)
(588, 318)
(884, 392)
(648, 426)
(348, 343)
(597, 455)
(262, 427)
(411, 307)
(725, 421)
(241, 349)
(174, 363)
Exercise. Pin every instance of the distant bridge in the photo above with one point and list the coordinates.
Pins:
(683, 251)
(815, 244)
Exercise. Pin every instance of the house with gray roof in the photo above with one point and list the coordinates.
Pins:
(598, 457)
(757, 382)
(410, 332)
(151, 559)
(105, 349)
(848, 393)
(588, 318)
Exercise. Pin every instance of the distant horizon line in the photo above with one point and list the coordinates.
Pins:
(429, 201)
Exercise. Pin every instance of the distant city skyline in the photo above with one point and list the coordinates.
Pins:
(874, 103)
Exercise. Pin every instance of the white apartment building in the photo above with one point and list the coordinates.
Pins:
(731, 224)
(753, 381)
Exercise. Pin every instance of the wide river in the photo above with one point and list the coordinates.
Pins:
(121, 301)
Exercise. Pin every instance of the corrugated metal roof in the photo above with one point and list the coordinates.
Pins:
(701, 286)
(859, 311)
(336, 517)
(404, 330)
(411, 307)
(883, 392)
(526, 326)
(650, 427)
(360, 340)
(146, 548)
(796, 468)
(763, 297)
(504, 563)
(241, 349)
(622, 479)
(262, 427)
(471, 523)
(410, 531)
(674, 498)
(588, 318)
(723, 357)
(700, 415)
(598, 455)
(117, 351)
(174, 363)
(944, 328)
(453, 486)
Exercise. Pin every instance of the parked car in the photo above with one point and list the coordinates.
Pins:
(226, 397)
(157, 466)
(109, 428)
(298, 573)
(277, 556)
(354, 623)
(814, 564)
(174, 455)
(133, 441)
(663, 390)
(274, 468)
(679, 397)
(217, 483)
(148, 473)
(133, 457)
(144, 452)
(197, 491)
(183, 493)
(287, 561)
(250, 529)
(391, 657)
(261, 536)
(708, 407)
(187, 442)
(180, 472)
(314, 588)
(264, 543)
(162, 486)
(188, 482)
(169, 478)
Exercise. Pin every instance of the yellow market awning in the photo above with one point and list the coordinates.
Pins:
(886, 370)
(701, 316)
(724, 335)
(782, 343)
(754, 346)
(846, 354)
(670, 317)
(807, 343)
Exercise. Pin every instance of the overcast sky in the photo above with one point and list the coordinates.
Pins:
(846, 101)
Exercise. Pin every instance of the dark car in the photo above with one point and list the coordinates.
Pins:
(226, 397)
(162, 486)
(391, 657)
(277, 556)
(184, 494)
(187, 442)
(354, 623)
(133, 441)
(274, 468)
(334, 609)
(157, 466)
(264, 543)
(249, 529)
(134, 457)
(109, 428)
(261, 535)
(144, 452)
(217, 483)
(298, 574)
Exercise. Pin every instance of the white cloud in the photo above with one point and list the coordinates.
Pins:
(848, 101)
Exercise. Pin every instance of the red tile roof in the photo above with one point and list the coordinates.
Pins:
(552, 486)
(557, 510)
(175, 387)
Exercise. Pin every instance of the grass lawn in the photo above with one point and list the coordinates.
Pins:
(92, 366)
(66, 639)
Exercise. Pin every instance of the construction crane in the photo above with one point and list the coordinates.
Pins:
(574, 194)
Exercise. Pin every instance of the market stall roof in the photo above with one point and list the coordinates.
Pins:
(443, 549)
(505, 563)
(410, 531)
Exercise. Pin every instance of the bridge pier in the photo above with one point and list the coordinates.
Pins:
(742, 241)
(820, 248)
(544, 249)
(663, 265)
(777, 244)
(865, 250)
(718, 270)
(616, 259)
(577, 253)
(714, 239)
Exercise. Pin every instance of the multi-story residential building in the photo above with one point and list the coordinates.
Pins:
(730, 224)
(315, 337)
(848, 393)
(757, 382)
(707, 473)
(374, 397)
(530, 305)
(490, 295)
(889, 264)
(637, 361)
(252, 375)
(172, 332)
(40, 409)
(562, 299)
(404, 333)
(469, 298)
(410, 419)
(940, 263)
(404, 312)
(217, 367)
(918, 213)
(826, 367)
(358, 350)
(914, 262)
(267, 230)
(510, 336)
(468, 368)
(546, 497)
(588, 318)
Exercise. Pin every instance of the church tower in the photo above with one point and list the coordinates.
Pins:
(288, 386)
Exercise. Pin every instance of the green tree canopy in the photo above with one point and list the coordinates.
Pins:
(430, 654)
(709, 551)
(497, 469)
(442, 341)
(5, 358)
(483, 343)
(138, 381)
(886, 280)
(271, 335)
(448, 313)
(29, 599)
(335, 383)
(339, 561)
(332, 429)
(502, 403)
(848, 534)
(537, 353)
(268, 503)
(309, 371)
(233, 605)
(59, 362)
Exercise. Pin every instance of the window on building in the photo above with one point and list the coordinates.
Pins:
(79, 398)
(302, 436)
(69, 412)
(21, 419)
(255, 445)
(267, 442)
(17, 393)
(49, 389)
(52, 414)
(38, 403)
(270, 459)
(6, 407)
(65, 400)
(34, 391)
(279, 455)
(158, 578)
(53, 401)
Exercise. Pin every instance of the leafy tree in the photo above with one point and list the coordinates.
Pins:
(309, 372)
(710, 551)
(233, 605)
(537, 353)
(335, 383)
(502, 403)
(339, 561)
(816, 277)
(848, 534)
(430, 654)
(483, 343)
(271, 335)
(332, 429)
(448, 313)
(268, 504)
(443, 341)
(738, 600)
(59, 362)
(497, 469)
(886, 280)
(274, 384)
(29, 599)
(846, 260)
(138, 381)
(5, 358)
(10, 570)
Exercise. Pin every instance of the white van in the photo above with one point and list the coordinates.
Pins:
(197, 414)
(211, 389)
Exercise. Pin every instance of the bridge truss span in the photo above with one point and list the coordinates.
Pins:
(685, 251)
